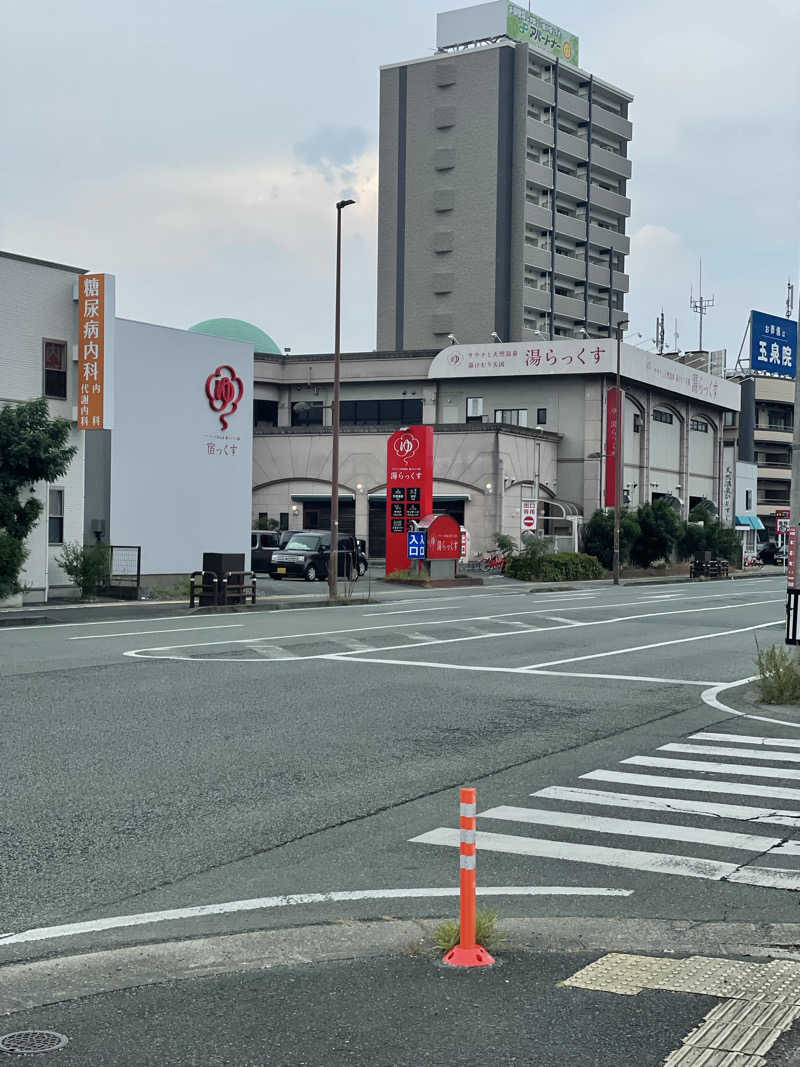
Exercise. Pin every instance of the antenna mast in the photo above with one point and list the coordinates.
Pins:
(660, 333)
(789, 298)
(700, 305)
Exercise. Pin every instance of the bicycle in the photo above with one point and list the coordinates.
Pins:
(493, 562)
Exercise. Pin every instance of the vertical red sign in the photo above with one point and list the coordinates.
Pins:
(791, 559)
(612, 436)
(409, 489)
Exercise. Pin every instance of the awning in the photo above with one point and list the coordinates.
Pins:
(311, 498)
(749, 520)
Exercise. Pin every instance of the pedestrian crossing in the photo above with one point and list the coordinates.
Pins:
(725, 829)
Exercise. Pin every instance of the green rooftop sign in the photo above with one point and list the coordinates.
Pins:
(523, 25)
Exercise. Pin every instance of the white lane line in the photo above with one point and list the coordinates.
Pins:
(655, 644)
(142, 652)
(713, 809)
(658, 862)
(43, 933)
(618, 677)
(567, 622)
(747, 739)
(632, 828)
(706, 766)
(723, 750)
(711, 697)
(449, 607)
(697, 785)
(403, 611)
(120, 622)
(141, 633)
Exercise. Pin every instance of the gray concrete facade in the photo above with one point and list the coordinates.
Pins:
(502, 199)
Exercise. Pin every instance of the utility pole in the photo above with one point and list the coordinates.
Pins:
(700, 305)
(618, 455)
(794, 498)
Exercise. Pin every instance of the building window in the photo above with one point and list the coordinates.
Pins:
(748, 499)
(661, 416)
(55, 522)
(514, 416)
(637, 422)
(54, 359)
(265, 413)
(474, 409)
(698, 424)
(730, 418)
(307, 413)
(400, 412)
(283, 521)
(541, 416)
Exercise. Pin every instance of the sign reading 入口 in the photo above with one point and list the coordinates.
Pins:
(773, 344)
(95, 351)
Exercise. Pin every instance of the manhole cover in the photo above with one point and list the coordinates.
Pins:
(27, 1042)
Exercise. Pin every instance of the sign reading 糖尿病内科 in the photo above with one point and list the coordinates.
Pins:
(409, 489)
(95, 351)
(523, 25)
(773, 344)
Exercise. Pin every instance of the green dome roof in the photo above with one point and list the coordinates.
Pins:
(238, 330)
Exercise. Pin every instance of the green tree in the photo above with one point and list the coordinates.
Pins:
(659, 529)
(598, 535)
(703, 533)
(33, 448)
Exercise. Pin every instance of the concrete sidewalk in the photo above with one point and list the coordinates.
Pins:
(375, 994)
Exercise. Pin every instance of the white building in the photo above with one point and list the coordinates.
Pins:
(167, 476)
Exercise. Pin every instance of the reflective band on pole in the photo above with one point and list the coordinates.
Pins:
(467, 837)
(466, 863)
(468, 811)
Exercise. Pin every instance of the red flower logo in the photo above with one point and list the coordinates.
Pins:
(224, 390)
(406, 446)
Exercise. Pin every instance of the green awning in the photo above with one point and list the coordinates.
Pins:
(749, 520)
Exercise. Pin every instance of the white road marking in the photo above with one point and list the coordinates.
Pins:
(723, 750)
(43, 933)
(713, 768)
(713, 809)
(141, 633)
(711, 697)
(697, 785)
(567, 622)
(657, 644)
(658, 862)
(788, 848)
(619, 677)
(403, 611)
(767, 877)
(272, 652)
(746, 739)
(632, 828)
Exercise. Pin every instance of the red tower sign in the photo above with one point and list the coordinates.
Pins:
(409, 489)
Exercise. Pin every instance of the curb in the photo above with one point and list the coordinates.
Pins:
(65, 978)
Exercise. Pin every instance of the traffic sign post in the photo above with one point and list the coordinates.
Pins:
(528, 516)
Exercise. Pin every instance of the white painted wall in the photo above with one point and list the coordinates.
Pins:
(168, 493)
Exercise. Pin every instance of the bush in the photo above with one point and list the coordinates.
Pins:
(778, 676)
(598, 535)
(659, 529)
(703, 533)
(86, 565)
(12, 556)
(555, 567)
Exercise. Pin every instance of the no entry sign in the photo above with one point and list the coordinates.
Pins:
(528, 516)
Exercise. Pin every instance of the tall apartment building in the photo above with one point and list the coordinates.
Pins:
(502, 196)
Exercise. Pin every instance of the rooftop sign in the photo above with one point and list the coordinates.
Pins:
(595, 355)
(773, 344)
(501, 18)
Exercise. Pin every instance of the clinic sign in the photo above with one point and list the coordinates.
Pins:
(409, 489)
(95, 351)
(523, 25)
(773, 344)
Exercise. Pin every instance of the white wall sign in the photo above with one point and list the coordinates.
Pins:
(527, 521)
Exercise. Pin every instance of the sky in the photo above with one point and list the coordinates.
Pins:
(197, 149)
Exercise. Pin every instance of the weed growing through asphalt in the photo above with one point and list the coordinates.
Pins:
(447, 933)
(778, 676)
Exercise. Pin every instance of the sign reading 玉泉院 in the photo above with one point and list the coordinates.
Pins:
(773, 344)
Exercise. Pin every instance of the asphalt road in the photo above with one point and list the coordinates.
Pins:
(163, 763)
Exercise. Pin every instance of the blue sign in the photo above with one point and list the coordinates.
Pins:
(417, 544)
(773, 344)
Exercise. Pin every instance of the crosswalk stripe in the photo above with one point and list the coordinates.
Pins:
(723, 750)
(788, 848)
(633, 828)
(715, 768)
(746, 739)
(767, 877)
(672, 804)
(699, 785)
(658, 862)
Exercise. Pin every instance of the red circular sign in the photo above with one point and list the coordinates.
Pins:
(529, 521)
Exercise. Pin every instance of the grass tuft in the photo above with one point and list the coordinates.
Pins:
(778, 676)
(447, 933)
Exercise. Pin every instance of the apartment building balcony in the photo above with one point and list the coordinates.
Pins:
(539, 132)
(598, 313)
(610, 201)
(573, 105)
(602, 238)
(607, 120)
(779, 434)
(540, 258)
(571, 226)
(574, 147)
(599, 276)
(539, 216)
(570, 186)
(539, 173)
(611, 162)
(569, 307)
(538, 299)
(573, 267)
(541, 90)
(780, 472)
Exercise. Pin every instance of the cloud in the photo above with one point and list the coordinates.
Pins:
(332, 150)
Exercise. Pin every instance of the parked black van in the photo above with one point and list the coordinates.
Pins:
(262, 544)
(307, 554)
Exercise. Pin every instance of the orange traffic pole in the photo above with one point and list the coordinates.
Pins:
(467, 953)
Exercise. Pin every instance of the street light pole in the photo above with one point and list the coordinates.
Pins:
(618, 454)
(333, 564)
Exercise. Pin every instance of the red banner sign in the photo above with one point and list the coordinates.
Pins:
(409, 489)
(791, 559)
(613, 421)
